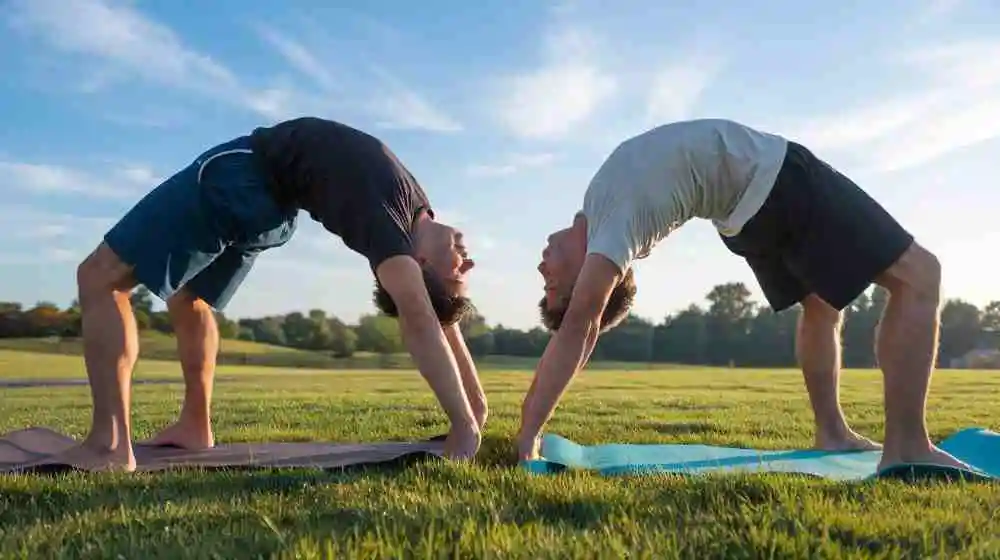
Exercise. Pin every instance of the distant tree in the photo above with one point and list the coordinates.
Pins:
(960, 330)
(343, 339)
(228, 329)
(379, 334)
(731, 328)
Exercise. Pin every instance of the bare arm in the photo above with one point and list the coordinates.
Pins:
(569, 349)
(470, 377)
(402, 278)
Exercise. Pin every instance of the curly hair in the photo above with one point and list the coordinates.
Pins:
(448, 307)
(617, 309)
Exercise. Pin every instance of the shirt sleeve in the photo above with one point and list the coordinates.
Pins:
(387, 237)
(610, 236)
(609, 212)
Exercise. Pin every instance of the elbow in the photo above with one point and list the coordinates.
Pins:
(581, 325)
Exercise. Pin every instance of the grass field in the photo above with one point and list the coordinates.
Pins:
(490, 508)
(158, 346)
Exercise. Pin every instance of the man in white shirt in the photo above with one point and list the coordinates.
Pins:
(810, 235)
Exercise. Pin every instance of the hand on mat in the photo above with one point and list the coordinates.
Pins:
(462, 443)
(528, 449)
(479, 410)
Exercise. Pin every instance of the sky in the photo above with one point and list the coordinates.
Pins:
(503, 110)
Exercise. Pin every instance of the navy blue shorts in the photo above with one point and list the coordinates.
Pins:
(818, 233)
(203, 228)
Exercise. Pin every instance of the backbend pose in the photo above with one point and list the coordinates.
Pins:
(810, 235)
(192, 240)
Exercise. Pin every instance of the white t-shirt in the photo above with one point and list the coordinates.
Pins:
(651, 184)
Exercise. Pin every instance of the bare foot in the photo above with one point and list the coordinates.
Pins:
(185, 435)
(462, 444)
(851, 441)
(929, 455)
(96, 458)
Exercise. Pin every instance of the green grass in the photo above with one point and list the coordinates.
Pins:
(491, 508)
(159, 346)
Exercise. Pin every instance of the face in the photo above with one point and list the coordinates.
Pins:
(442, 248)
(561, 262)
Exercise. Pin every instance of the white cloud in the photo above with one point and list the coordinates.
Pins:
(581, 74)
(55, 237)
(394, 107)
(47, 179)
(957, 104)
(57, 254)
(50, 256)
(121, 44)
(510, 165)
(933, 10)
(42, 231)
(299, 57)
(563, 92)
(278, 103)
(140, 176)
(148, 117)
(120, 36)
(405, 109)
(478, 236)
(678, 86)
(30, 221)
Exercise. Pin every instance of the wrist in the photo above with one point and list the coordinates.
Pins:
(528, 447)
(481, 414)
(466, 426)
(527, 437)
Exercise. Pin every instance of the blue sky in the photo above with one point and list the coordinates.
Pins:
(502, 109)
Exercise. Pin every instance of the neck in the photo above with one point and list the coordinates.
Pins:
(420, 225)
(579, 228)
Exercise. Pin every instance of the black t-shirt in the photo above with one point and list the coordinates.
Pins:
(347, 180)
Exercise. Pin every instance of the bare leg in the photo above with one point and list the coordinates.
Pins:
(818, 351)
(906, 347)
(197, 345)
(110, 350)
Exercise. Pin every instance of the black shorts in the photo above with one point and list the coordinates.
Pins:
(817, 233)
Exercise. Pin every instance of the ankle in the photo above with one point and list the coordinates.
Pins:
(909, 438)
(107, 445)
(195, 417)
(467, 430)
(832, 426)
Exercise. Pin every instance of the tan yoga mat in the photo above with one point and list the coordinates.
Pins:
(29, 451)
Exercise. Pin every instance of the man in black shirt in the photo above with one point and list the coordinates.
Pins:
(192, 240)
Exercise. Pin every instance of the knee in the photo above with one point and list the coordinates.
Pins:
(817, 313)
(185, 308)
(928, 281)
(915, 276)
(100, 274)
(88, 274)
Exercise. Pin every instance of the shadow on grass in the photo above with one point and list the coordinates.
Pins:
(197, 484)
(265, 532)
(242, 506)
(210, 483)
(459, 504)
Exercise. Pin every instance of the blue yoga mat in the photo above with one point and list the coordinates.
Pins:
(979, 448)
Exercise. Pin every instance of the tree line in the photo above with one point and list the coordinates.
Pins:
(727, 329)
